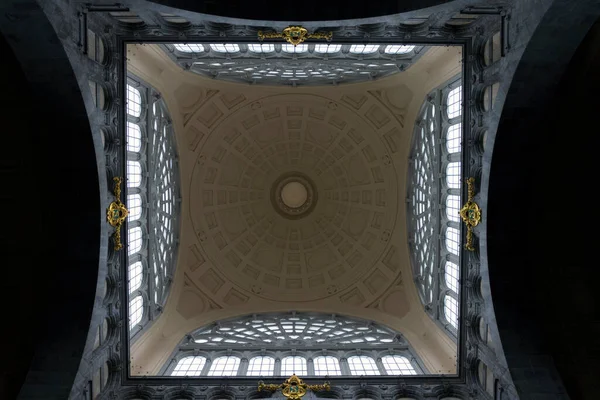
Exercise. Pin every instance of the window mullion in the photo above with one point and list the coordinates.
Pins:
(437, 169)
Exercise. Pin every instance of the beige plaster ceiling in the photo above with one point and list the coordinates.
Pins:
(238, 255)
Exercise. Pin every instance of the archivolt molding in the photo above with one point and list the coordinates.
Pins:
(149, 25)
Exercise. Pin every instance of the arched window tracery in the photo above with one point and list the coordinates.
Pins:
(277, 64)
(310, 344)
(152, 199)
(434, 203)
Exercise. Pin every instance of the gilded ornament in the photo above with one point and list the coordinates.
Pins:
(470, 214)
(116, 213)
(294, 35)
(293, 388)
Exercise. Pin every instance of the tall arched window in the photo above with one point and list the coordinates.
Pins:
(189, 366)
(281, 344)
(397, 365)
(152, 199)
(434, 191)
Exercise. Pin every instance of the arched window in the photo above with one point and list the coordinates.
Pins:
(261, 48)
(153, 186)
(397, 365)
(136, 311)
(451, 310)
(290, 48)
(224, 366)
(362, 365)
(327, 365)
(261, 366)
(398, 49)
(189, 366)
(225, 48)
(327, 48)
(364, 48)
(294, 339)
(189, 48)
(293, 365)
(434, 191)
(135, 276)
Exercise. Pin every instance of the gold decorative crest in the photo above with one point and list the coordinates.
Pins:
(293, 388)
(295, 35)
(470, 214)
(116, 213)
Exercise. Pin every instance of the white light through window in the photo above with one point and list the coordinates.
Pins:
(261, 366)
(453, 207)
(134, 173)
(452, 240)
(225, 48)
(453, 138)
(364, 48)
(189, 48)
(189, 366)
(293, 365)
(362, 365)
(136, 311)
(134, 205)
(327, 48)
(261, 48)
(290, 48)
(134, 101)
(454, 102)
(327, 365)
(135, 276)
(397, 365)
(224, 366)
(134, 240)
(134, 137)
(451, 310)
(453, 175)
(451, 276)
(398, 49)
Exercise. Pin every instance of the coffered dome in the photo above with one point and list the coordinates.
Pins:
(293, 197)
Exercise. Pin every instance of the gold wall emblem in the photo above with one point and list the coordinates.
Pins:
(293, 388)
(470, 214)
(116, 213)
(295, 35)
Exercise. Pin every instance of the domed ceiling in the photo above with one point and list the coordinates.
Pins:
(293, 199)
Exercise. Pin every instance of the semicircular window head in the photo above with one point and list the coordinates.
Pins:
(434, 201)
(281, 344)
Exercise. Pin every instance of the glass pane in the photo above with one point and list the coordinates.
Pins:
(135, 276)
(134, 205)
(189, 48)
(189, 366)
(398, 49)
(134, 240)
(452, 240)
(225, 48)
(290, 48)
(327, 365)
(451, 310)
(397, 365)
(451, 276)
(454, 102)
(261, 48)
(134, 174)
(293, 365)
(134, 101)
(453, 175)
(134, 137)
(136, 311)
(453, 138)
(261, 366)
(453, 208)
(364, 48)
(327, 48)
(362, 365)
(224, 366)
